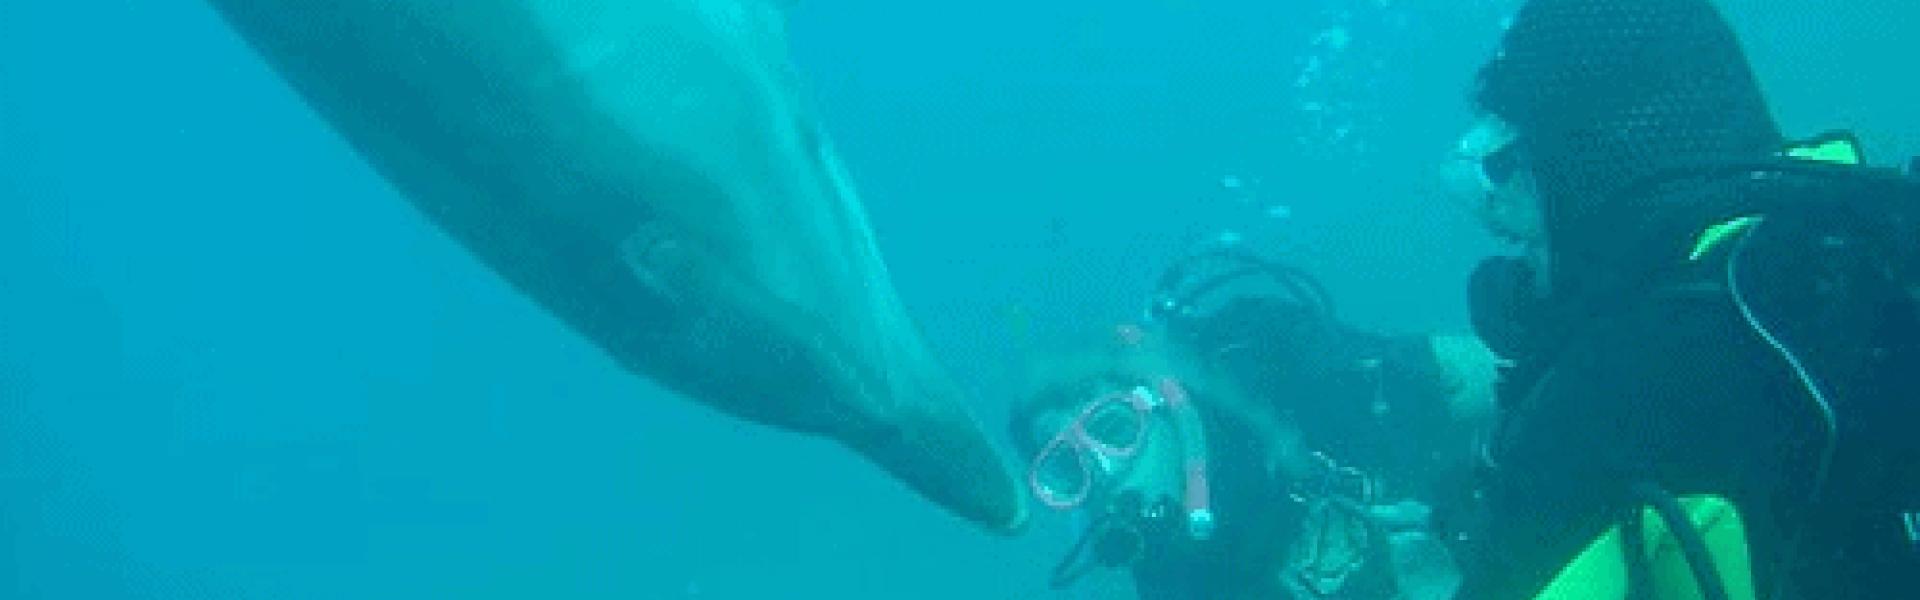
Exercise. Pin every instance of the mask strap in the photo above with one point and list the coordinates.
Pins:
(1077, 563)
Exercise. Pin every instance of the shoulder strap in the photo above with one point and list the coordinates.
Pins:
(1633, 545)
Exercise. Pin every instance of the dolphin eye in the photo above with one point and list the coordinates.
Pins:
(660, 260)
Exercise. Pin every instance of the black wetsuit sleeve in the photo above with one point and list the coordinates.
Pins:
(1665, 392)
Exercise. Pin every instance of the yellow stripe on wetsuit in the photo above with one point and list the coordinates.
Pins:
(1600, 571)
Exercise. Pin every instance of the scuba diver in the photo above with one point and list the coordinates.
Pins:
(1244, 443)
(1711, 330)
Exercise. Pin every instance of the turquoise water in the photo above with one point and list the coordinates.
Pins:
(234, 364)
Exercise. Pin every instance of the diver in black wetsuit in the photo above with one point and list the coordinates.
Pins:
(1713, 335)
(1247, 444)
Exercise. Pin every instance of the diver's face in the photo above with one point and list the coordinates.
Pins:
(1152, 468)
(1490, 175)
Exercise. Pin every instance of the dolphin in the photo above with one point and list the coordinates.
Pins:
(646, 172)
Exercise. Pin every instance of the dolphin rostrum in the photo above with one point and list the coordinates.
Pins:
(646, 172)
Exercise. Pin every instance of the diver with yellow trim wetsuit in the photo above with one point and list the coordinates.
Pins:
(1715, 363)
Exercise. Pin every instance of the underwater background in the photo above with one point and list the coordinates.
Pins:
(234, 364)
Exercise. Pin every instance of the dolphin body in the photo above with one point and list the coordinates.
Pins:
(644, 170)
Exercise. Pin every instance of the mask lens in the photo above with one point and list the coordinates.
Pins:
(1500, 165)
(1116, 427)
(1061, 476)
(1484, 159)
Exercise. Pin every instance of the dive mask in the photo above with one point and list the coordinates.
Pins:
(1101, 442)
(1484, 160)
